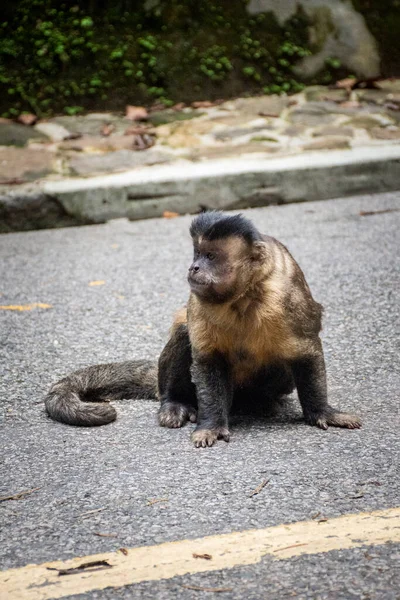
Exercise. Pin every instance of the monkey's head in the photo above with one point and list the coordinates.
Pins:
(227, 251)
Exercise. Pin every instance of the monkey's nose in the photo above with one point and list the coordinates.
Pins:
(194, 268)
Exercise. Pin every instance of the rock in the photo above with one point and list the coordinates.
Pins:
(57, 133)
(385, 133)
(237, 151)
(374, 96)
(391, 86)
(336, 28)
(92, 144)
(338, 131)
(311, 114)
(92, 124)
(14, 134)
(294, 130)
(232, 133)
(264, 105)
(320, 92)
(25, 164)
(186, 134)
(328, 143)
(367, 122)
(86, 164)
(163, 117)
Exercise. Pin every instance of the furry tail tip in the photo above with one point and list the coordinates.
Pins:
(67, 407)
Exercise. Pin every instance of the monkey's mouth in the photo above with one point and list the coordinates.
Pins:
(197, 283)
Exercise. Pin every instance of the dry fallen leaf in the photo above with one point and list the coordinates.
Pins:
(288, 547)
(205, 556)
(93, 565)
(124, 551)
(93, 283)
(19, 495)
(202, 104)
(178, 106)
(350, 104)
(347, 83)
(136, 113)
(156, 500)
(27, 119)
(259, 488)
(107, 129)
(167, 214)
(21, 307)
(200, 588)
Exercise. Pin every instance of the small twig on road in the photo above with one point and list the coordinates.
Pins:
(111, 535)
(315, 516)
(94, 565)
(378, 483)
(19, 495)
(292, 546)
(370, 213)
(199, 588)
(156, 500)
(88, 513)
(259, 488)
(205, 556)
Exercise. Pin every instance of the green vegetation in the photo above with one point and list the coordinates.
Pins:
(58, 57)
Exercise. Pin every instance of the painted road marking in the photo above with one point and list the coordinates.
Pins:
(164, 561)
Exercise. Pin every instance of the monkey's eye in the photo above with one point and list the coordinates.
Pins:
(210, 256)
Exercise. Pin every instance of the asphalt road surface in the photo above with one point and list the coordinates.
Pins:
(141, 485)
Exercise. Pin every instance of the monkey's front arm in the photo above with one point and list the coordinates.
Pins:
(214, 389)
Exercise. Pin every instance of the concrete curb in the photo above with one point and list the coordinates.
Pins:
(242, 182)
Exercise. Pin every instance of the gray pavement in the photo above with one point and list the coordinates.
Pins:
(350, 261)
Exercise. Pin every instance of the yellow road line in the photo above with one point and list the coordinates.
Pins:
(152, 563)
(22, 307)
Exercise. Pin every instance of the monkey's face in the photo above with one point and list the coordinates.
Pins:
(216, 272)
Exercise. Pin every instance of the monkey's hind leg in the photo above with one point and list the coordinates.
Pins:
(310, 377)
(177, 392)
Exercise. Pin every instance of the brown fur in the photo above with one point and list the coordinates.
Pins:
(260, 324)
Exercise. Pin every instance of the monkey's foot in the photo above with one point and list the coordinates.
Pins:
(335, 418)
(175, 414)
(207, 437)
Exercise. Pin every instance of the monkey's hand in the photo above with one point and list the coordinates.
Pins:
(207, 437)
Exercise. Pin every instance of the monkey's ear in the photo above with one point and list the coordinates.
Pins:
(259, 251)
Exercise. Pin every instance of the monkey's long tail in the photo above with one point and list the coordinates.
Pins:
(82, 397)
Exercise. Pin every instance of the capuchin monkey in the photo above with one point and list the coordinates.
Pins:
(250, 332)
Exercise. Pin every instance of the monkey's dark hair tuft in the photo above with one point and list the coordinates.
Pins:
(215, 225)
